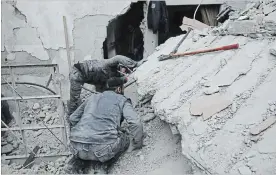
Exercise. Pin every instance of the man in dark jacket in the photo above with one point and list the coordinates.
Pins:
(96, 128)
(95, 72)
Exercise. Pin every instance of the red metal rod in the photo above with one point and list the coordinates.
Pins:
(228, 47)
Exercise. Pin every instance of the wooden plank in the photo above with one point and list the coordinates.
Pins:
(32, 127)
(29, 162)
(30, 97)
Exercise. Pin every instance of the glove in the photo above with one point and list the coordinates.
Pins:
(114, 61)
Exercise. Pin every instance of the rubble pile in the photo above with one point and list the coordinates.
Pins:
(257, 20)
(222, 103)
(33, 114)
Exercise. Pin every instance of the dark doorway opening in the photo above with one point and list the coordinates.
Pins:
(124, 36)
(206, 14)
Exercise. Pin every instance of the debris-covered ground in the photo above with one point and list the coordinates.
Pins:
(161, 153)
(222, 103)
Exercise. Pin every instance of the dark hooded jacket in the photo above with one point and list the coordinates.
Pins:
(158, 17)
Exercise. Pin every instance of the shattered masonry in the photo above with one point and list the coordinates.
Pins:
(223, 104)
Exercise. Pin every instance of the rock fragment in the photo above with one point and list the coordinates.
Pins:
(209, 105)
(7, 149)
(272, 108)
(148, 117)
(36, 106)
(9, 139)
(46, 107)
(47, 118)
(244, 170)
(211, 90)
(263, 126)
(234, 108)
(242, 27)
(272, 50)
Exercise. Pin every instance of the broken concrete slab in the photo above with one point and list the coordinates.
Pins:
(263, 126)
(242, 27)
(244, 170)
(148, 117)
(272, 50)
(210, 105)
(6, 149)
(211, 90)
(191, 23)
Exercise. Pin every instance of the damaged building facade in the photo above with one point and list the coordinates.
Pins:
(33, 32)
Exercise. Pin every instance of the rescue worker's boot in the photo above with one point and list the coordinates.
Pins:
(100, 168)
(74, 165)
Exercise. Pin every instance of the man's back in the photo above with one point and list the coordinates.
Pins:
(97, 120)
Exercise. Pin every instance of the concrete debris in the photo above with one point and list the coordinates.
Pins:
(3, 143)
(233, 107)
(272, 108)
(46, 107)
(47, 118)
(9, 139)
(148, 117)
(263, 126)
(36, 106)
(242, 27)
(243, 18)
(195, 24)
(211, 90)
(209, 105)
(272, 50)
(269, 8)
(7, 149)
(244, 170)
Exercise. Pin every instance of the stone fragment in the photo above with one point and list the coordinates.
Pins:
(15, 144)
(272, 50)
(36, 106)
(142, 158)
(174, 129)
(255, 138)
(272, 108)
(209, 105)
(271, 17)
(3, 143)
(234, 108)
(242, 27)
(9, 139)
(268, 9)
(211, 90)
(148, 117)
(46, 107)
(244, 170)
(271, 26)
(47, 118)
(243, 18)
(38, 133)
(5, 161)
(199, 127)
(263, 126)
(7, 149)
(251, 154)
(41, 115)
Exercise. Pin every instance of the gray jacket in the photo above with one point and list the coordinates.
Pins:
(98, 71)
(97, 120)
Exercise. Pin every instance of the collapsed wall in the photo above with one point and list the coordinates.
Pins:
(33, 33)
(222, 103)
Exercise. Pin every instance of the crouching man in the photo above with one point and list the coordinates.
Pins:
(96, 128)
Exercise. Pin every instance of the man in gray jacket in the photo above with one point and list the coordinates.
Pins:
(96, 128)
(95, 72)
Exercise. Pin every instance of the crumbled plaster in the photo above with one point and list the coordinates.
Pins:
(33, 31)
